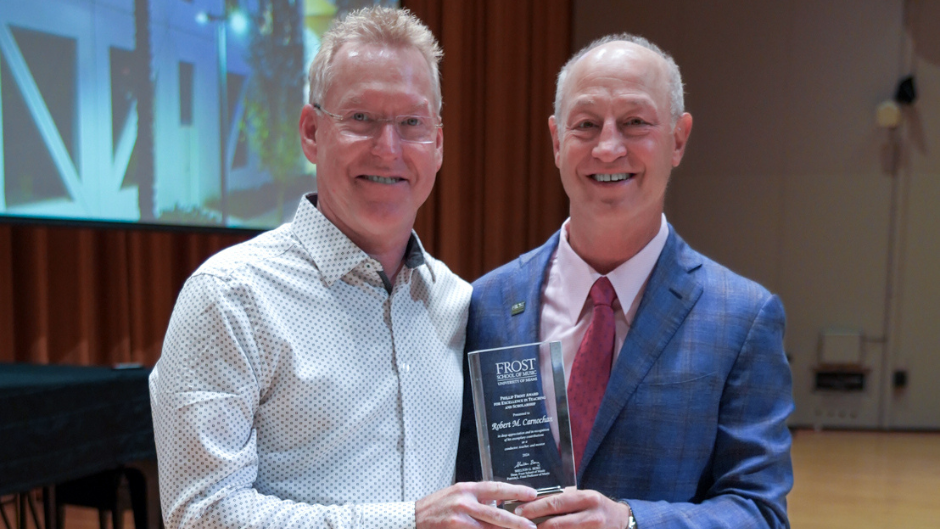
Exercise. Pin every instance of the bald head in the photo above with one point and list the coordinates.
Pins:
(630, 47)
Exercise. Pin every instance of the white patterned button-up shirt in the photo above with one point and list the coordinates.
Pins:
(295, 391)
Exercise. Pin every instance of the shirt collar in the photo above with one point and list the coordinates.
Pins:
(627, 279)
(414, 252)
(333, 253)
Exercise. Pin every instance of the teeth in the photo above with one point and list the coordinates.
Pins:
(381, 180)
(611, 177)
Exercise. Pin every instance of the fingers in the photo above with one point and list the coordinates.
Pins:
(496, 517)
(466, 505)
(576, 509)
(497, 491)
(545, 506)
(564, 503)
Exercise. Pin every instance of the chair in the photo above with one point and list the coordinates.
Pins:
(23, 505)
(107, 491)
(4, 500)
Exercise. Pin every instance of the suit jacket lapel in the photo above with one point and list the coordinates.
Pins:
(669, 296)
(526, 286)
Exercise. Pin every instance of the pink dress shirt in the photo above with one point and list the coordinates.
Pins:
(566, 307)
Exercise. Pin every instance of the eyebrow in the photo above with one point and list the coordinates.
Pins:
(354, 102)
(629, 101)
(587, 104)
(581, 103)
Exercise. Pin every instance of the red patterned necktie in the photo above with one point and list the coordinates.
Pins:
(591, 369)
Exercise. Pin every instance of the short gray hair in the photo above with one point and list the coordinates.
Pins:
(676, 101)
(375, 25)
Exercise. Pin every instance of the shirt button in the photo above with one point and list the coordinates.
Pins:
(405, 367)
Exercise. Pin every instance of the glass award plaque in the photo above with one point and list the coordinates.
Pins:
(521, 409)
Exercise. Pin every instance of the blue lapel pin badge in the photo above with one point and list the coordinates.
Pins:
(518, 308)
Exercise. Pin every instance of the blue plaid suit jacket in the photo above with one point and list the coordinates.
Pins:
(692, 429)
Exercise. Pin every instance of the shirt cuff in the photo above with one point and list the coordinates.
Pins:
(389, 515)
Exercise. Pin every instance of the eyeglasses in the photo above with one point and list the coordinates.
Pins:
(366, 125)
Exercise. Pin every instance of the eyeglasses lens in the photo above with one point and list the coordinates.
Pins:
(411, 128)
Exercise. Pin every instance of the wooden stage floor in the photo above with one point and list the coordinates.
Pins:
(843, 480)
(865, 479)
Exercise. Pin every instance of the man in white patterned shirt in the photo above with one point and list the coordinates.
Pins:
(311, 377)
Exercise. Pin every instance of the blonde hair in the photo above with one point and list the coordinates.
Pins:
(375, 25)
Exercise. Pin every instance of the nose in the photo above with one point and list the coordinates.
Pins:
(611, 144)
(388, 142)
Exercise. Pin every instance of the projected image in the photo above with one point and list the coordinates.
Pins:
(157, 111)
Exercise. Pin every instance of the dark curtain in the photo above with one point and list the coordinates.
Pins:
(104, 295)
(93, 295)
(498, 193)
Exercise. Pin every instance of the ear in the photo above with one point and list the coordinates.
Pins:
(308, 132)
(681, 137)
(556, 144)
(439, 148)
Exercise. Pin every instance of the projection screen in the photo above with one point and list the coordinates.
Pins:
(166, 112)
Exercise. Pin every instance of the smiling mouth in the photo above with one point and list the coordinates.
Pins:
(381, 179)
(617, 177)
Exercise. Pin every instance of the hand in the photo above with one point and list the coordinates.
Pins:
(467, 505)
(577, 508)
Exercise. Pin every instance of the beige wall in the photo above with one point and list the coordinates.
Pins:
(785, 182)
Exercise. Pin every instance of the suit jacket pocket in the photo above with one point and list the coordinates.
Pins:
(670, 379)
(677, 414)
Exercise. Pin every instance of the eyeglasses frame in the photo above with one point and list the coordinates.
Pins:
(340, 119)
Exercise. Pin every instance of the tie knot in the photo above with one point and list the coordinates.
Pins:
(602, 293)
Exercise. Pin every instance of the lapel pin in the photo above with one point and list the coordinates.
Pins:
(518, 308)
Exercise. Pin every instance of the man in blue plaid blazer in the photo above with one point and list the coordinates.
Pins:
(691, 431)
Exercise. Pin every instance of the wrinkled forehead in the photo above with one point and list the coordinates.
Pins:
(618, 68)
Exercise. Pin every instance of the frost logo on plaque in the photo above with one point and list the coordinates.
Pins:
(521, 408)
